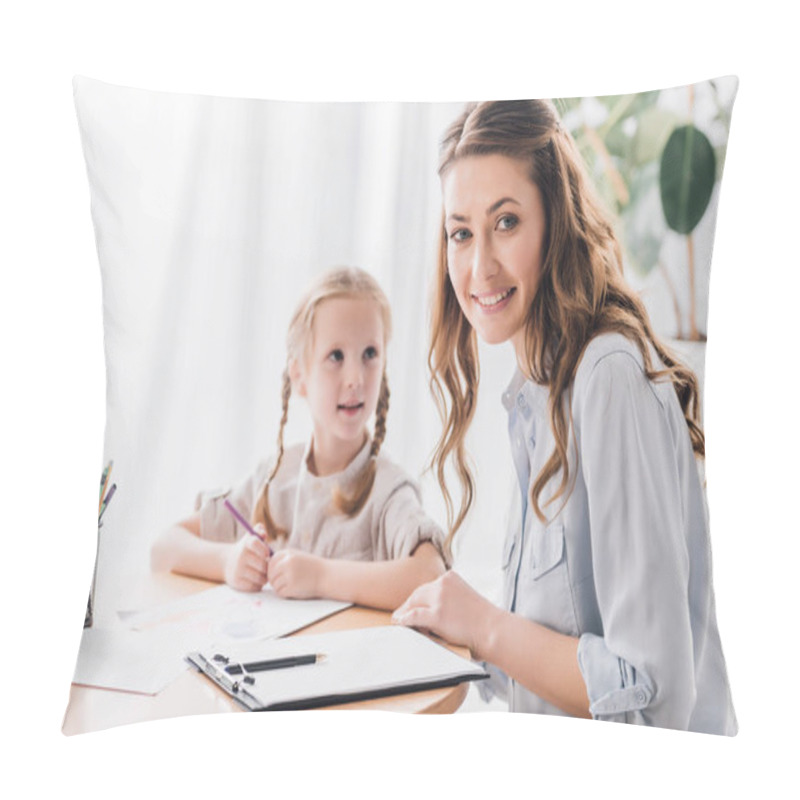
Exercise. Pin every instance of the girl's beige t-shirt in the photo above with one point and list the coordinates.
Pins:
(392, 523)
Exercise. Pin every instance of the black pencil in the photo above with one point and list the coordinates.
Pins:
(273, 663)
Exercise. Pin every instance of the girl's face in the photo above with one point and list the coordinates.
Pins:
(341, 374)
(495, 226)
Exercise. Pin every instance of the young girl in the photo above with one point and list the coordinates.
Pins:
(343, 521)
(608, 609)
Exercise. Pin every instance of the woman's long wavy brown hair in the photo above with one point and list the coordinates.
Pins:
(349, 282)
(581, 293)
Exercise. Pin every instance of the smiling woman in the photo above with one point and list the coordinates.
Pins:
(495, 235)
(607, 606)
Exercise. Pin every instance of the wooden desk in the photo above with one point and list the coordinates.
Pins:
(93, 709)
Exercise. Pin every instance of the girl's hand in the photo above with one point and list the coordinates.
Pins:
(293, 573)
(246, 563)
(452, 609)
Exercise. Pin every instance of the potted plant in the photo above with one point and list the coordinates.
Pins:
(653, 158)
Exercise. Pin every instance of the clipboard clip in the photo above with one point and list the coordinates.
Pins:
(234, 688)
(235, 669)
(246, 676)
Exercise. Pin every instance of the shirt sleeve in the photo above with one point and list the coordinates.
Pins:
(495, 686)
(403, 526)
(216, 522)
(641, 669)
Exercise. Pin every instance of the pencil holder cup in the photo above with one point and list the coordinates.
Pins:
(87, 620)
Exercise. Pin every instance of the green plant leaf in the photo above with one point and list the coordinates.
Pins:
(618, 108)
(652, 133)
(686, 179)
(566, 104)
(617, 141)
(720, 152)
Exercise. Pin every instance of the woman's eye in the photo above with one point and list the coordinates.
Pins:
(459, 235)
(370, 353)
(336, 356)
(507, 222)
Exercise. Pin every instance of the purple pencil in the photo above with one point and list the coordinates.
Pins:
(245, 523)
(107, 501)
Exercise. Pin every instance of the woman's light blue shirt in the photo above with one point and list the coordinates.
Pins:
(625, 563)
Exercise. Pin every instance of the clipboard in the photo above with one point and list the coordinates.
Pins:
(328, 669)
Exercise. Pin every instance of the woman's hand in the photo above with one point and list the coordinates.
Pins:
(246, 563)
(452, 609)
(293, 573)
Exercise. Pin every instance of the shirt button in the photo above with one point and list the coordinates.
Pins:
(640, 696)
(521, 402)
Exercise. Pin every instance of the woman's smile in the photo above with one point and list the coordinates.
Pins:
(491, 303)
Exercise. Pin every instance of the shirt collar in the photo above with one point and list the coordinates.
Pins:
(513, 388)
(524, 394)
(348, 474)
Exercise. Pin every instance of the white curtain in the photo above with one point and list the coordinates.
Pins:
(211, 216)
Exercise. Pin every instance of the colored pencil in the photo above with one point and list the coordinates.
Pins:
(104, 506)
(103, 483)
(245, 523)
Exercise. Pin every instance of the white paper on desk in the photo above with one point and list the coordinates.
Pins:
(377, 659)
(131, 661)
(222, 616)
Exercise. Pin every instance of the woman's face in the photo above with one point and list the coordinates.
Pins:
(495, 226)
